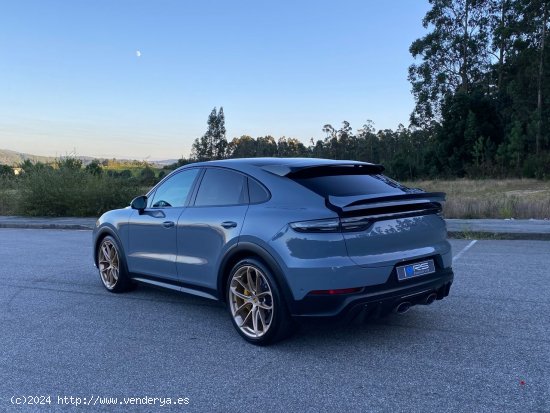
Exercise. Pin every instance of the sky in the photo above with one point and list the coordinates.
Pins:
(138, 79)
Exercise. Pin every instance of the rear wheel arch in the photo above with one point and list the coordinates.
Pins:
(256, 303)
(249, 250)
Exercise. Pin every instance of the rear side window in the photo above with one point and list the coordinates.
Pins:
(352, 185)
(222, 187)
(257, 192)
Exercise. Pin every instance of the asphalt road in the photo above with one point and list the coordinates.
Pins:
(486, 348)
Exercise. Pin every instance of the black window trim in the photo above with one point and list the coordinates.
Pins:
(245, 175)
(192, 196)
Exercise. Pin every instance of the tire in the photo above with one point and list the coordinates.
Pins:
(255, 303)
(112, 266)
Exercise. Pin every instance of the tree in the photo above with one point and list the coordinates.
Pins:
(147, 176)
(213, 144)
(544, 23)
(6, 170)
(220, 141)
(536, 12)
(94, 168)
(243, 147)
(347, 141)
(503, 26)
(523, 97)
(266, 146)
(290, 147)
(28, 166)
(368, 142)
(453, 56)
(69, 163)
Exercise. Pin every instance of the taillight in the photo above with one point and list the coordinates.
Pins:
(320, 225)
(355, 224)
(332, 225)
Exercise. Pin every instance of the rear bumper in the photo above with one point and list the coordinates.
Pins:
(374, 300)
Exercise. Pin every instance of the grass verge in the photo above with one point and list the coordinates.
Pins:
(491, 198)
(498, 236)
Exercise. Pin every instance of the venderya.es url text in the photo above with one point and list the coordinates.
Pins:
(93, 400)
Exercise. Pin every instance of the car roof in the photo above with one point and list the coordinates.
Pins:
(284, 166)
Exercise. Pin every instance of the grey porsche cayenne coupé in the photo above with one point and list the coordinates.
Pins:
(280, 239)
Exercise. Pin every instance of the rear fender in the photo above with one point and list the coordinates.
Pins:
(247, 249)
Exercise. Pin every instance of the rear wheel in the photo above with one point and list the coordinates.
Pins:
(111, 265)
(255, 303)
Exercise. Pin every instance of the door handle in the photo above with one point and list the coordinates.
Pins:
(168, 224)
(229, 224)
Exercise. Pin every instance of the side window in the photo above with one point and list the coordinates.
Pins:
(222, 187)
(174, 191)
(257, 192)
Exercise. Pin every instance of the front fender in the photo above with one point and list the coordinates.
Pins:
(115, 224)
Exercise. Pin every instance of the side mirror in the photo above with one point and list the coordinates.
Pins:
(139, 203)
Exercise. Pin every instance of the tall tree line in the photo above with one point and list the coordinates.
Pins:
(481, 83)
(404, 152)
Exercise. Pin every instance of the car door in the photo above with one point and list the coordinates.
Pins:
(211, 225)
(152, 234)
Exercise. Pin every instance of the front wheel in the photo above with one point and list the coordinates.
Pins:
(255, 303)
(111, 265)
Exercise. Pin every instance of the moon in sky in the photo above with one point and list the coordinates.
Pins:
(138, 53)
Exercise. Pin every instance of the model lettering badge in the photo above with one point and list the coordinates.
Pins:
(415, 270)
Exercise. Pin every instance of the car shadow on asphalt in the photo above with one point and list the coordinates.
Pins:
(310, 332)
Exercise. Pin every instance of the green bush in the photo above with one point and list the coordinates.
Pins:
(9, 195)
(6, 171)
(71, 191)
(147, 176)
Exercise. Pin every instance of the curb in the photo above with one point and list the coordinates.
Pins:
(14, 225)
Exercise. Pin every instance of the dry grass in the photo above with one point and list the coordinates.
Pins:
(491, 198)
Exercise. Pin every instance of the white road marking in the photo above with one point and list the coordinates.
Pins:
(466, 248)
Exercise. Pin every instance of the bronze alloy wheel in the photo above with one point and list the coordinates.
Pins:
(109, 263)
(251, 301)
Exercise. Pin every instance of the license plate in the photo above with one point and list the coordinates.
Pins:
(415, 270)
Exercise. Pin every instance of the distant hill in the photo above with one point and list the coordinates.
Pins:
(14, 158)
(165, 162)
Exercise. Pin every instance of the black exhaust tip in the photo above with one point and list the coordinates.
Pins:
(430, 299)
(403, 307)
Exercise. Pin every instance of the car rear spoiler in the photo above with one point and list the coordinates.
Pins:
(416, 203)
(296, 171)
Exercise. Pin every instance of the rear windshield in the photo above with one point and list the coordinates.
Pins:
(352, 185)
